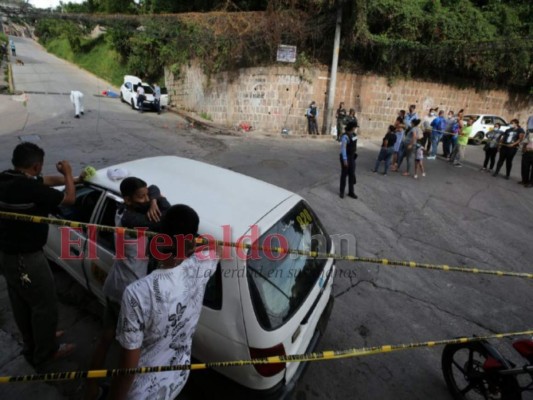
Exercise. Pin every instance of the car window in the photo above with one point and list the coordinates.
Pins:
(213, 290)
(107, 217)
(487, 120)
(500, 121)
(81, 211)
(279, 287)
(474, 118)
(128, 85)
(148, 89)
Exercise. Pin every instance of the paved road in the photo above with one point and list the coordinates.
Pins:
(456, 216)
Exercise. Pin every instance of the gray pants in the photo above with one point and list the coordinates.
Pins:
(35, 306)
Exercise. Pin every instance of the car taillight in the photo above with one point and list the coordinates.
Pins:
(268, 370)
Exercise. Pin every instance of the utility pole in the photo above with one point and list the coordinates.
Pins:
(334, 63)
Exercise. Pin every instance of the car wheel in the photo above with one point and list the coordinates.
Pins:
(132, 105)
(478, 138)
(122, 98)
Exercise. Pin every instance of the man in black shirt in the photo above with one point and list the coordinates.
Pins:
(387, 149)
(29, 280)
(508, 146)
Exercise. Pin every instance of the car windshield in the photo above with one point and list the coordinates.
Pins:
(148, 89)
(279, 284)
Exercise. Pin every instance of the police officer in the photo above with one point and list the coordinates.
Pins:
(347, 157)
(30, 284)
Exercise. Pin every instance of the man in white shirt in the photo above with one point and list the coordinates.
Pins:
(160, 312)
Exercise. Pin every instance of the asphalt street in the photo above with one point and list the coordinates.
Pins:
(454, 216)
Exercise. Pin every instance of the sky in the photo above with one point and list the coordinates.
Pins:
(50, 3)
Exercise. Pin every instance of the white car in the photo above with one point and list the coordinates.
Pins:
(128, 93)
(253, 308)
(483, 124)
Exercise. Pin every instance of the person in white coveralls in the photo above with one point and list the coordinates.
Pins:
(76, 98)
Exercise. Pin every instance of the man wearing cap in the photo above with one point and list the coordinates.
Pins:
(30, 284)
(347, 157)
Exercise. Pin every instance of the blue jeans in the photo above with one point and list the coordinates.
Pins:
(435, 139)
(385, 154)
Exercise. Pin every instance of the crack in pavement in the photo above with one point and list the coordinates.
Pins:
(428, 303)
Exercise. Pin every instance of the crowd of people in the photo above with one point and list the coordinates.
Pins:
(411, 138)
(147, 326)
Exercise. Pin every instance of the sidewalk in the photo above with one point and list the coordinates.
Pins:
(221, 129)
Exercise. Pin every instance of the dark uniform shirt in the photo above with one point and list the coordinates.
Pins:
(25, 195)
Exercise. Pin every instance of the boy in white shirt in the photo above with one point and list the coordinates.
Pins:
(160, 312)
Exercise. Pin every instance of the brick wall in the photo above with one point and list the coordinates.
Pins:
(276, 97)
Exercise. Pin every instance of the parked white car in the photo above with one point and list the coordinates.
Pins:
(128, 93)
(252, 308)
(483, 124)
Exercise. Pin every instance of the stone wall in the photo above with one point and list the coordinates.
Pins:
(276, 97)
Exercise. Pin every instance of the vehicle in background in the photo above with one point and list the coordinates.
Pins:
(128, 93)
(483, 124)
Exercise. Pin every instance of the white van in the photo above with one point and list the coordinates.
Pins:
(252, 308)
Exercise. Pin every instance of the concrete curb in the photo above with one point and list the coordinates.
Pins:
(215, 128)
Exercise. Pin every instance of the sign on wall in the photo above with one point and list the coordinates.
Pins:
(286, 53)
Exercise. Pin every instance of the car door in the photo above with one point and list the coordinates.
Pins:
(128, 92)
(66, 246)
(97, 269)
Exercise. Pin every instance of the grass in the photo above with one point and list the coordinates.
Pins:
(101, 59)
(206, 116)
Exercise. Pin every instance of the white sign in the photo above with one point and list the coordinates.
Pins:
(286, 53)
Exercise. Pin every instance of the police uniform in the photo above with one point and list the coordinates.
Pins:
(348, 154)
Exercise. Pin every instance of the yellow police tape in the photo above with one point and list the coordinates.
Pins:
(279, 250)
(309, 357)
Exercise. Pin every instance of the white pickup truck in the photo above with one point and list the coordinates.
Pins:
(128, 93)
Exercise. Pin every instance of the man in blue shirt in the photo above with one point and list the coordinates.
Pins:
(438, 126)
(347, 157)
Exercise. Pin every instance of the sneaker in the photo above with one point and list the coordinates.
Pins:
(64, 350)
(352, 195)
(483, 169)
(459, 165)
(59, 334)
(431, 157)
(495, 174)
(384, 174)
(416, 176)
(423, 174)
(341, 195)
(76, 116)
(373, 170)
(81, 113)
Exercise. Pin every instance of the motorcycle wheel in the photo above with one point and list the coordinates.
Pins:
(466, 379)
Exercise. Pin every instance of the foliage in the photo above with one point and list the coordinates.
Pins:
(485, 41)
(476, 41)
(101, 59)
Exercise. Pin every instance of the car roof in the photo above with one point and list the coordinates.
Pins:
(219, 196)
(131, 78)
